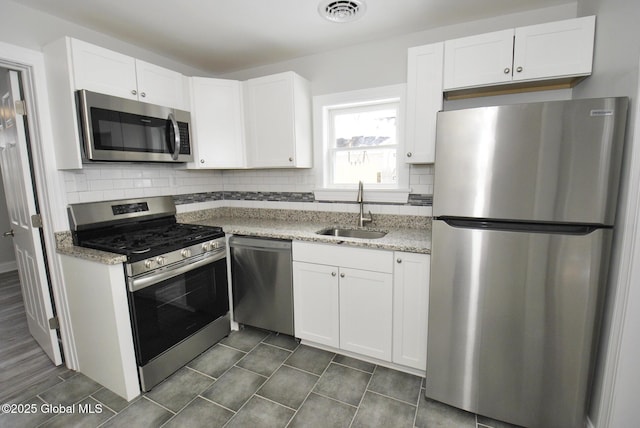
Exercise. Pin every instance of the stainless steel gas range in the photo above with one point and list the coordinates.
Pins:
(176, 276)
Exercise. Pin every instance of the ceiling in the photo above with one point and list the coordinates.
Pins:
(221, 36)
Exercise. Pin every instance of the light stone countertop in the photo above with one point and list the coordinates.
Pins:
(404, 233)
(64, 245)
(397, 239)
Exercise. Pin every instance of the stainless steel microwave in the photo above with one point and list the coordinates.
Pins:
(117, 129)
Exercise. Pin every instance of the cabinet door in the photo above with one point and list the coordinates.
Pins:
(102, 70)
(315, 303)
(270, 121)
(556, 49)
(366, 312)
(479, 60)
(158, 85)
(217, 124)
(424, 100)
(410, 309)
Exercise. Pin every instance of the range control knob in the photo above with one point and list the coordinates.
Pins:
(148, 263)
(186, 253)
(160, 260)
(215, 245)
(206, 246)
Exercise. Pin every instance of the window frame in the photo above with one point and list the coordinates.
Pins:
(332, 151)
(322, 106)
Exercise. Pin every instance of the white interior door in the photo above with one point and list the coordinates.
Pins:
(19, 190)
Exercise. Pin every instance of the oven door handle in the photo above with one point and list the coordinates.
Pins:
(137, 284)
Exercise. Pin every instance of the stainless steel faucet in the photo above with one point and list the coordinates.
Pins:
(363, 220)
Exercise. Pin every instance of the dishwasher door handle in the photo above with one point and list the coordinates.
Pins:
(259, 244)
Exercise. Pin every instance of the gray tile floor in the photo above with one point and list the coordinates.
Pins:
(250, 379)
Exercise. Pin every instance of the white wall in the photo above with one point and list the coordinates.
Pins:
(363, 66)
(615, 73)
(379, 64)
(30, 28)
(384, 62)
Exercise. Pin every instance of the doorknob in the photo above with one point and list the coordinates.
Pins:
(9, 233)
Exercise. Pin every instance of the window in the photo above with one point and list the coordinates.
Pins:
(363, 144)
(358, 137)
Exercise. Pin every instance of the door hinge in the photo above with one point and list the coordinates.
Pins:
(20, 107)
(54, 324)
(36, 220)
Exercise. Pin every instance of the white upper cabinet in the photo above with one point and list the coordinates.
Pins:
(553, 50)
(563, 48)
(478, 60)
(159, 85)
(217, 124)
(102, 70)
(424, 100)
(278, 121)
(73, 64)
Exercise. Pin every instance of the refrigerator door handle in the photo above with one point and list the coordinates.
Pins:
(516, 226)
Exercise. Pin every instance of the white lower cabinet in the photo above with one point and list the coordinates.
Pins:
(410, 309)
(344, 308)
(315, 300)
(366, 312)
(100, 323)
(369, 302)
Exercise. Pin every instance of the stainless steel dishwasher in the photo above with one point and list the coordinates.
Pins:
(262, 283)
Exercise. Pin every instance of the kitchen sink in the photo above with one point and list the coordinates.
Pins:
(352, 233)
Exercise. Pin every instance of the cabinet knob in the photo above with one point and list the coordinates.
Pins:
(201, 160)
(519, 69)
(143, 94)
(409, 154)
(134, 92)
(333, 274)
(341, 275)
(398, 260)
(290, 159)
(507, 70)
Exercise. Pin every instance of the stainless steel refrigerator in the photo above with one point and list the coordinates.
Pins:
(523, 214)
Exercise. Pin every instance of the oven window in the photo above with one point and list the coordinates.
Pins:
(165, 313)
(120, 131)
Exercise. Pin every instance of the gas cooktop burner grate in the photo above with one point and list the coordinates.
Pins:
(155, 239)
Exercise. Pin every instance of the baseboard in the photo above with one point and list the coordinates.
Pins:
(8, 266)
(388, 364)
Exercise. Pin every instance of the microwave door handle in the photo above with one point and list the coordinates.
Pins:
(176, 137)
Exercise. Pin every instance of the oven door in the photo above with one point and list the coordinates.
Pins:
(169, 306)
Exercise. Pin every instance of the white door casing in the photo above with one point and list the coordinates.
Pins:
(16, 174)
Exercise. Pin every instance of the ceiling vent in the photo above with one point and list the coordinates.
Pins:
(342, 10)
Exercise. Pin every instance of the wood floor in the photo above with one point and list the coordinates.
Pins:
(22, 361)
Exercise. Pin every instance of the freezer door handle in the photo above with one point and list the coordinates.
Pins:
(517, 226)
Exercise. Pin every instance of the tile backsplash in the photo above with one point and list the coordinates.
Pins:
(103, 181)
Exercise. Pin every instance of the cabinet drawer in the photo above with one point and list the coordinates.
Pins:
(338, 255)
